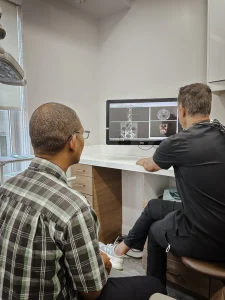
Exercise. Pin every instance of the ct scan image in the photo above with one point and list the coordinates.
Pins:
(123, 114)
(163, 113)
(163, 121)
(163, 128)
(129, 123)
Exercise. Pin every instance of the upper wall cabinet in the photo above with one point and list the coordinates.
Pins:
(216, 44)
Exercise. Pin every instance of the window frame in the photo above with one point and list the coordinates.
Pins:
(18, 140)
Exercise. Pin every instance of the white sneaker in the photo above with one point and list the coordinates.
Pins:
(134, 253)
(117, 261)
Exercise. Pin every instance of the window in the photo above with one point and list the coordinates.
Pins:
(14, 137)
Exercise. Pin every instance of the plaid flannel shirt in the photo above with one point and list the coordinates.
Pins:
(48, 237)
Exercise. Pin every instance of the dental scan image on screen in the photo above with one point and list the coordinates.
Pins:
(146, 121)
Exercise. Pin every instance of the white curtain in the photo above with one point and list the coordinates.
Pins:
(10, 95)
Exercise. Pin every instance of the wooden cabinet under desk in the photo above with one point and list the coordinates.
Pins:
(103, 189)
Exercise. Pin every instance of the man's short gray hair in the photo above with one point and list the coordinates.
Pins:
(196, 98)
(51, 126)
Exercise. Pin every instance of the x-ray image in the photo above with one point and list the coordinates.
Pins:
(163, 128)
(163, 114)
(143, 121)
(128, 130)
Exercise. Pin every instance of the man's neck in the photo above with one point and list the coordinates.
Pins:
(193, 120)
(57, 160)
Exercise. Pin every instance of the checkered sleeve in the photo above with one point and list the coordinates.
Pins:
(83, 260)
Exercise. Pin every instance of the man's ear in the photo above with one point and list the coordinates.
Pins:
(73, 143)
(183, 111)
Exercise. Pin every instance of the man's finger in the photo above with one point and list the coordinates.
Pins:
(140, 162)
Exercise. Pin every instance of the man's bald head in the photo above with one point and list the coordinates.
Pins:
(51, 125)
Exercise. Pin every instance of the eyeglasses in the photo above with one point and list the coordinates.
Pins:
(85, 134)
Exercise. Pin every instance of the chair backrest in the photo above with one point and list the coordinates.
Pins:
(214, 270)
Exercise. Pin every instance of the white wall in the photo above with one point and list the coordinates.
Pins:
(149, 51)
(61, 55)
(218, 107)
(152, 50)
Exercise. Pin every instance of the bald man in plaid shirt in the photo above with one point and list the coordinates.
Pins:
(48, 232)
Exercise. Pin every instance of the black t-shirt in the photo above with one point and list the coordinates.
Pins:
(198, 157)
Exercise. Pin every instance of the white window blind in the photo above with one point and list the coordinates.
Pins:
(10, 95)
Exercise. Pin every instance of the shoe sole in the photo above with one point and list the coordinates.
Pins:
(135, 254)
(132, 256)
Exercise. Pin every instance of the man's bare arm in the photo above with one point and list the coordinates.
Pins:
(148, 164)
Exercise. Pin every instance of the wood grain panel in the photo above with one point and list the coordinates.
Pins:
(79, 169)
(83, 185)
(193, 281)
(107, 191)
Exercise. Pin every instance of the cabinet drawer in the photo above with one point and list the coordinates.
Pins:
(79, 169)
(83, 185)
(193, 281)
(89, 199)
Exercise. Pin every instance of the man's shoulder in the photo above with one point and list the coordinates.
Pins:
(180, 136)
(176, 139)
(187, 139)
(47, 194)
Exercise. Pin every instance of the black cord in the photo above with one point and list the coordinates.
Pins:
(145, 149)
(155, 147)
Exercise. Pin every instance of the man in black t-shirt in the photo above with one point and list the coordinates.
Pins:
(195, 227)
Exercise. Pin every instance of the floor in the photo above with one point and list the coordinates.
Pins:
(133, 267)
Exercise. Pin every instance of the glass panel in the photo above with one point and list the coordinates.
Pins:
(14, 133)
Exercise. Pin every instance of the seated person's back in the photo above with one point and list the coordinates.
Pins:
(198, 157)
(48, 232)
(41, 219)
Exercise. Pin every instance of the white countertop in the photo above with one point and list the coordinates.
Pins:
(117, 161)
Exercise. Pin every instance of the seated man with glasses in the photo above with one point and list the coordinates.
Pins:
(49, 245)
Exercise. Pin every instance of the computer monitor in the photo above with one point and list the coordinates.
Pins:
(141, 122)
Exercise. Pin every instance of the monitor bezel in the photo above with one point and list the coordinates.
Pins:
(141, 143)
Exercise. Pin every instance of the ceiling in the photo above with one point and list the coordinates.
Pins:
(101, 8)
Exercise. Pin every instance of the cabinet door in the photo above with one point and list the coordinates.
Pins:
(216, 41)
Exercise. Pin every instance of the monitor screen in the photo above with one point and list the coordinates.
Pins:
(141, 122)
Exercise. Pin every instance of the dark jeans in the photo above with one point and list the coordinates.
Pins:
(131, 288)
(157, 223)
